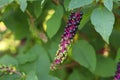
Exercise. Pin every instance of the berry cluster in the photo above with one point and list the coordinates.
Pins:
(67, 38)
(8, 70)
(117, 76)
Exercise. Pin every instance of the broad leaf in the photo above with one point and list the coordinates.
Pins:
(85, 19)
(23, 4)
(79, 3)
(53, 24)
(17, 22)
(103, 21)
(38, 6)
(10, 77)
(66, 4)
(30, 56)
(84, 54)
(8, 60)
(5, 2)
(117, 59)
(105, 67)
(43, 63)
(115, 36)
(48, 77)
(31, 76)
(60, 73)
(108, 4)
(80, 75)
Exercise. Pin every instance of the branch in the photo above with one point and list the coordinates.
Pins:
(68, 65)
(31, 17)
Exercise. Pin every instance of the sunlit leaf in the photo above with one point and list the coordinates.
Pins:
(103, 21)
(79, 3)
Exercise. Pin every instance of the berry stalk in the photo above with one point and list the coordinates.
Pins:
(67, 38)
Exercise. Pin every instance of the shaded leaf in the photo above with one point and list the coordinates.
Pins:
(117, 59)
(60, 73)
(40, 65)
(31, 76)
(8, 60)
(80, 74)
(43, 62)
(105, 67)
(85, 19)
(5, 2)
(10, 77)
(48, 77)
(115, 39)
(84, 54)
(30, 56)
(38, 5)
(17, 22)
(66, 4)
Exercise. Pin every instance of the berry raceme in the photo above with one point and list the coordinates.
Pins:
(9, 70)
(67, 38)
(117, 75)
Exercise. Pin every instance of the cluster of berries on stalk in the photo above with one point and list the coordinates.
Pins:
(67, 38)
(8, 70)
(117, 75)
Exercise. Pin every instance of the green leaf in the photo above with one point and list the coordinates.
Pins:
(31, 76)
(5, 2)
(84, 54)
(97, 0)
(30, 56)
(52, 78)
(23, 4)
(28, 67)
(117, 59)
(60, 73)
(48, 77)
(10, 77)
(38, 6)
(41, 65)
(85, 19)
(8, 60)
(37, 9)
(43, 62)
(75, 76)
(54, 23)
(103, 21)
(108, 4)
(80, 74)
(115, 39)
(117, 1)
(53, 48)
(66, 4)
(79, 3)
(105, 67)
(17, 22)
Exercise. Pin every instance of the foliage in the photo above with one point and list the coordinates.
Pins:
(30, 32)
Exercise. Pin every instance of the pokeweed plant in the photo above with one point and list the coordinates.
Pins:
(67, 38)
(30, 32)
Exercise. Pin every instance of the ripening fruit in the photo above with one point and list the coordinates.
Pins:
(67, 38)
(117, 75)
